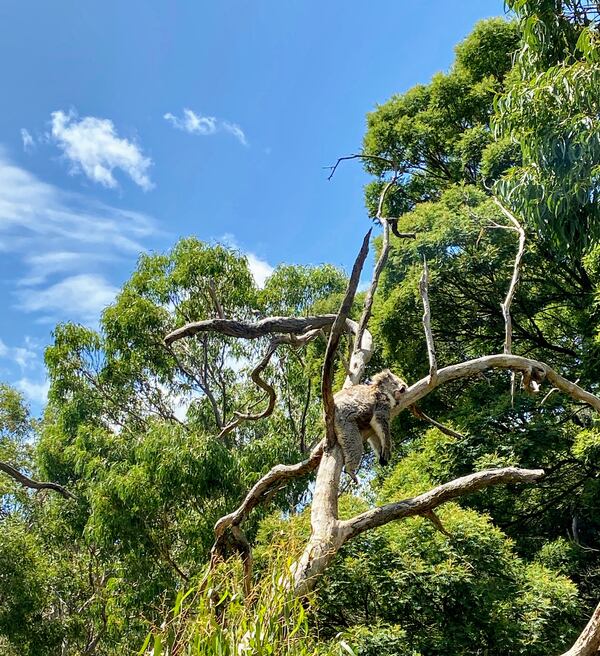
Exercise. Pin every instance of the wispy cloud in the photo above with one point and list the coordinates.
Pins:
(86, 295)
(23, 356)
(93, 147)
(260, 269)
(34, 391)
(195, 123)
(65, 244)
(28, 142)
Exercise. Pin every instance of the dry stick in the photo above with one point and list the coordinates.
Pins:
(423, 285)
(426, 502)
(357, 363)
(334, 340)
(588, 643)
(505, 306)
(269, 482)
(34, 485)
(417, 412)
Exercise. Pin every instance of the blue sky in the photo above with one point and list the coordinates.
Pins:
(127, 125)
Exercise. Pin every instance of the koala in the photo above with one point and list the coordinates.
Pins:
(362, 412)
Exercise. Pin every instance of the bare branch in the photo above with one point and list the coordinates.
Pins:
(401, 235)
(269, 482)
(425, 502)
(383, 255)
(423, 285)
(588, 643)
(260, 382)
(505, 306)
(334, 339)
(500, 361)
(252, 330)
(215, 299)
(377, 158)
(34, 485)
(417, 412)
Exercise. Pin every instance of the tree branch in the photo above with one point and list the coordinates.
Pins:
(424, 503)
(269, 482)
(423, 287)
(34, 485)
(334, 340)
(252, 330)
(500, 361)
(588, 643)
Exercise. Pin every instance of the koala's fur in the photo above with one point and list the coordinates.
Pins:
(362, 412)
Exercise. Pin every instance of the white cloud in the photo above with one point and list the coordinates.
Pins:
(83, 295)
(194, 123)
(92, 145)
(236, 131)
(57, 237)
(260, 269)
(36, 392)
(24, 356)
(28, 142)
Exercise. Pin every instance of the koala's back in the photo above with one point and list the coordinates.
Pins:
(356, 404)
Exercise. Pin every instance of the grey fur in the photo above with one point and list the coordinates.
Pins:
(362, 412)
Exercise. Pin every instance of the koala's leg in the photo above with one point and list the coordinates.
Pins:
(380, 423)
(351, 442)
(375, 443)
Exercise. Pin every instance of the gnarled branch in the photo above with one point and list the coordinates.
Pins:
(269, 482)
(32, 484)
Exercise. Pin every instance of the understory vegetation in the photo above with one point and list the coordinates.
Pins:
(149, 443)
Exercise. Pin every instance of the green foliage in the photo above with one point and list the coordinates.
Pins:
(550, 109)
(214, 618)
(436, 135)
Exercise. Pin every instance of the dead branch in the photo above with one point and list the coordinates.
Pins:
(429, 500)
(259, 382)
(334, 340)
(357, 362)
(401, 235)
(32, 484)
(417, 412)
(376, 158)
(252, 330)
(329, 533)
(588, 643)
(423, 287)
(269, 482)
(499, 361)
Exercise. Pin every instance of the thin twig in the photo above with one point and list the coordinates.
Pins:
(423, 287)
(417, 412)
